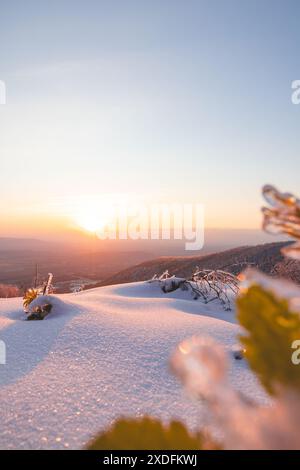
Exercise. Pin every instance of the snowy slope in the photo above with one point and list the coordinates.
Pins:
(101, 354)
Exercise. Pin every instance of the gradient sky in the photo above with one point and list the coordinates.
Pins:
(171, 100)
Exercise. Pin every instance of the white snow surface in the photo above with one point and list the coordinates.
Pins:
(102, 354)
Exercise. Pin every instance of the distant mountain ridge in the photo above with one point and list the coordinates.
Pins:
(266, 257)
(9, 243)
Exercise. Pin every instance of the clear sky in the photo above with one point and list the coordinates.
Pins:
(171, 100)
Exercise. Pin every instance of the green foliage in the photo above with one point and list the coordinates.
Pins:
(271, 328)
(29, 296)
(147, 433)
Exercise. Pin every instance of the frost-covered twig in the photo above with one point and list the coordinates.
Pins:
(207, 284)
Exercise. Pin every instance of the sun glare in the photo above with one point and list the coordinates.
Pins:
(93, 214)
(93, 219)
(90, 223)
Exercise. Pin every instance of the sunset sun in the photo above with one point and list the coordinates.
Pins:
(91, 214)
(94, 213)
(90, 223)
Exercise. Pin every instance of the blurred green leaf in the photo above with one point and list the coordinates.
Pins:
(271, 329)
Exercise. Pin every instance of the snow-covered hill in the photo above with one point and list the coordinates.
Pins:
(267, 258)
(99, 355)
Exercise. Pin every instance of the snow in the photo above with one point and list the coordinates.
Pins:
(102, 354)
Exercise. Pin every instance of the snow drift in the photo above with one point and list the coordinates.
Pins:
(102, 354)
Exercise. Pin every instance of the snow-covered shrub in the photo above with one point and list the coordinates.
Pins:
(39, 308)
(35, 301)
(206, 284)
